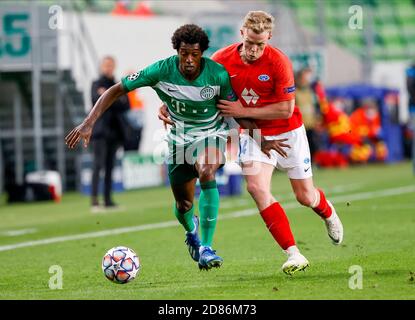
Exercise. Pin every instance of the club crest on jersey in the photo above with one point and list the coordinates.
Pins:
(250, 96)
(207, 93)
(134, 76)
(263, 77)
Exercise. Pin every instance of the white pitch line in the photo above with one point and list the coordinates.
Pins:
(233, 204)
(167, 224)
(346, 187)
(88, 235)
(375, 194)
(15, 233)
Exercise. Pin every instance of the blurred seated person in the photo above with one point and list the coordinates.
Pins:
(340, 139)
(143, 9)
(121, 8)
(366, 123)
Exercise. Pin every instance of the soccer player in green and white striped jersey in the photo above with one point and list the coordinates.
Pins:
(190, 85)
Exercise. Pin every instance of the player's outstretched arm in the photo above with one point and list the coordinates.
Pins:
(84, 130)
(280, 110)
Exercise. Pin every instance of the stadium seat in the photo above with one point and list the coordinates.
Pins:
(394, 25)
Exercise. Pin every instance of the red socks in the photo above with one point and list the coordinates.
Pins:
(277, 223)
(322, 209)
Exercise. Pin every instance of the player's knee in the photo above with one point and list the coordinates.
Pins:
(206, 173)
(184, 205)
(305, 198)
(256, 190)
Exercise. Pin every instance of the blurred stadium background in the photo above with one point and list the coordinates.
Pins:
(50, 52)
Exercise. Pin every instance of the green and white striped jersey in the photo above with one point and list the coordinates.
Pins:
(191, 104)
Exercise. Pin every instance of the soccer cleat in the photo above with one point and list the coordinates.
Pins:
(296, 262)
(209, 259)
(334, 226)
(192, 241)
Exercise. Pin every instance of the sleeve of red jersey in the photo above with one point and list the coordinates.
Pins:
(284, 80)
(216, 56)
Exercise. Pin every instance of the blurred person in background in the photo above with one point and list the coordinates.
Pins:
(121, 8)
(306, 101)
(366, 123)
(108, 135)
(410, 84)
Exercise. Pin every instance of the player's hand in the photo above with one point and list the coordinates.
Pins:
(233, 109)
(277, 145)
(83, 131)
(101, 90)
(165, 116)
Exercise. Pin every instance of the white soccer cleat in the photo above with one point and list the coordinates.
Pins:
(334, 226)
(296, 261)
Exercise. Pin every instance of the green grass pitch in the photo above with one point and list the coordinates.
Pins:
(376, 204)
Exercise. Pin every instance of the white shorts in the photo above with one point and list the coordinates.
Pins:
(297, 164)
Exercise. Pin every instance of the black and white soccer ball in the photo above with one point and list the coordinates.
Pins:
(121, 265)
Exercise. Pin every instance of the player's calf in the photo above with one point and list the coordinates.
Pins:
(306, 198)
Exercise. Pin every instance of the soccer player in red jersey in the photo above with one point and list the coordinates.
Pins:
(262, 78)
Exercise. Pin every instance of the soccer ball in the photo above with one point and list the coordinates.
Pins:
(120, 265)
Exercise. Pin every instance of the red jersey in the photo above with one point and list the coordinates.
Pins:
(268, 80)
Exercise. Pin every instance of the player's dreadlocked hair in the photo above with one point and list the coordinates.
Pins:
(190, 34)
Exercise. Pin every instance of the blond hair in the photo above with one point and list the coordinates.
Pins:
(258, 21)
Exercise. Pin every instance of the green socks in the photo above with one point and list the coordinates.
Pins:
(208, 208)
(186, 219)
